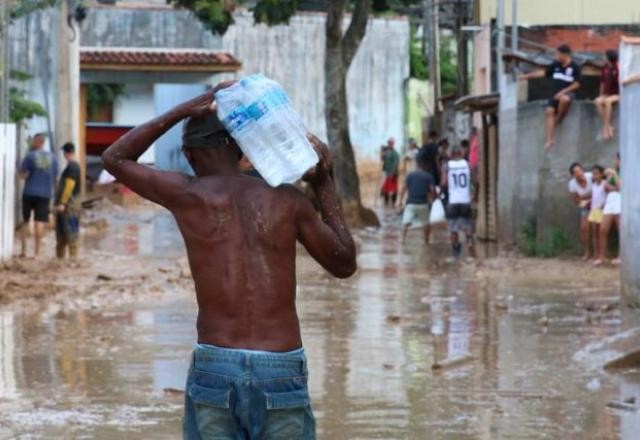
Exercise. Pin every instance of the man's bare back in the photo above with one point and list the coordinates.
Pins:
(243, 262)
(240, 233)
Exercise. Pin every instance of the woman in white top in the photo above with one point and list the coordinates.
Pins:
(580, 189)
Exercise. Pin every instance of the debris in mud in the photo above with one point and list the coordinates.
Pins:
(628, 360)
(625, 405)
(103, 277)
(501, 305)
(173, 392)
(594, 384)
(453, 362)
(394, 319)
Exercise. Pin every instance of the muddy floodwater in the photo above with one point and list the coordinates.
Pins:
(525, 370)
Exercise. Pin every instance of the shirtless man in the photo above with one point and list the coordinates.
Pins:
(248, 377)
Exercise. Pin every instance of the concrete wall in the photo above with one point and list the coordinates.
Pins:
(481, 84)
(292, 55)
(34, 40)
(7, 190)
(532, 184)
(630, 155)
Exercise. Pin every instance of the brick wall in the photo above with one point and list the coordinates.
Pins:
(581, 39)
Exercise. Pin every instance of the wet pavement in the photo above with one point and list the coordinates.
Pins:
(371, 340)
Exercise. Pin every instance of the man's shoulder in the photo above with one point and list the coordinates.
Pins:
(257, 187)
(287, 190)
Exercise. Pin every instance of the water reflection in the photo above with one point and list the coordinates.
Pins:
(371, 342)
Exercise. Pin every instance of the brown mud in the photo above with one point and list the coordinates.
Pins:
(101, 350)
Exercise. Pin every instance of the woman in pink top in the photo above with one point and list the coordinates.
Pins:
(473, 149)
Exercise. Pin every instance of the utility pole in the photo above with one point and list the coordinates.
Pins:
(431, 48)
(462, 52)
(4, 87)
(67, 93)
(500, 44)
(435, 56)
(514, 25)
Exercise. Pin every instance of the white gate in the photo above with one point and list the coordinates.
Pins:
(7, 188)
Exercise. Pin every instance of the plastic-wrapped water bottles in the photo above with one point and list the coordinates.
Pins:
(258, 114)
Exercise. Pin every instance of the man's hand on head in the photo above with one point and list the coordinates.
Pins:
(199, 106)
(322, 170)
(204, 104)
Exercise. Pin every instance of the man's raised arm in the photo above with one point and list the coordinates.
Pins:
(120, 159)
(328, 240)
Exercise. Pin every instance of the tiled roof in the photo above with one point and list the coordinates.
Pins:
(131, 57)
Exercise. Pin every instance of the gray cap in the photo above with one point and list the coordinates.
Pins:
(199, 132)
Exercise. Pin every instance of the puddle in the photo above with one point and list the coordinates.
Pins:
(371, 342)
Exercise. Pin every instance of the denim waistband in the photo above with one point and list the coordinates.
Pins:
(295, 359)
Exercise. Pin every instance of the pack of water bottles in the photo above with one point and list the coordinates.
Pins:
(258, 114)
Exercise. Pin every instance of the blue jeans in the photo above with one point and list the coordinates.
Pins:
(247, 394)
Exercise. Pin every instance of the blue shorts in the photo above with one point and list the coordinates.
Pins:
(247, 394)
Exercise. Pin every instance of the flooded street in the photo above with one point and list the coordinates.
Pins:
(526, 369)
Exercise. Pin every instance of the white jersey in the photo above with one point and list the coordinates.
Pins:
(459, 181)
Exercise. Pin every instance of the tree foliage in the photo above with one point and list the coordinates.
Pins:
(101, 95)
(448, 67)
(273, 12)
(20, 8)
(217, 15)
(448, 62)
(21, 108)
(419, 66)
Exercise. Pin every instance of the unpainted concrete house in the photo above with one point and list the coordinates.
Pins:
(530, 187)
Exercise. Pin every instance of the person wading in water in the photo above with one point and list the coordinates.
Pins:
(248, 377)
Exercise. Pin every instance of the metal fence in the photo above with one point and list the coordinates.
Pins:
(7, 189)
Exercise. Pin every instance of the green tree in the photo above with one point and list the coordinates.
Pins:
(341, 48)
(448, 67)
(23, 7)
(418, 62)
(448, 62)
(20, 107)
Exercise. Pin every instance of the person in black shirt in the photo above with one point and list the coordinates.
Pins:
(565, 74)
(420, 187)
(429, 154)
(67, 204)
